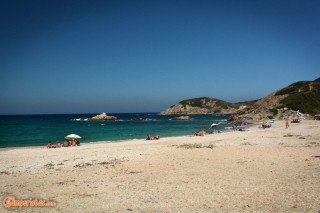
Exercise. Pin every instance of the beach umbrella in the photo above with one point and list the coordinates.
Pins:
(72, 136)
(214, 125)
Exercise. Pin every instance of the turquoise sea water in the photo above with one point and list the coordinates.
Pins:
(35, 130)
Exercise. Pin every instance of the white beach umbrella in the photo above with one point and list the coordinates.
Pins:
(214, 125)
(72, 136)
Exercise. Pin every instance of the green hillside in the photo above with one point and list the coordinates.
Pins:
(303, 96)
(201, 102)
(196, 102)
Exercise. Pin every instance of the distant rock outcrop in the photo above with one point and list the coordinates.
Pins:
(103, 116)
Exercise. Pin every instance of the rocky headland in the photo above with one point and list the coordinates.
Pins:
(202, 105)
(303, 96)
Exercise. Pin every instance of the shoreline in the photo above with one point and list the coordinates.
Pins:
(43, 129)
(98, 142)
(257, 170)
(115, 141)
(83, 143)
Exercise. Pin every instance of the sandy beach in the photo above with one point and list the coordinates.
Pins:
(257, 170)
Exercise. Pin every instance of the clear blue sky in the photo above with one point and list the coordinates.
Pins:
(64, 56)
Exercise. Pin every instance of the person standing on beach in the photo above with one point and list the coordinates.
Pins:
(287, 123)
(233, 127)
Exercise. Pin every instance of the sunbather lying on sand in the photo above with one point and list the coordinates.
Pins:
(157, 137)
(49, 146)
(200, 133)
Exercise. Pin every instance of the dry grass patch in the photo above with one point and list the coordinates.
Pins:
(246, 144)
(49, 166)
(195, 146)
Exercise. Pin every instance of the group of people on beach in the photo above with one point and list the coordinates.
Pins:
(265, 125)
(157, 137)
(50, 145)
(201, 132)
(75, 142)
(72, 142)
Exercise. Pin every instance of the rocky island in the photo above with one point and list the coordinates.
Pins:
(102, 117)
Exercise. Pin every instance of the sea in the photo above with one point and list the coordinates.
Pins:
(38, 130)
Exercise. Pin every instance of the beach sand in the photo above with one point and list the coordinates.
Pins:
(257, 170)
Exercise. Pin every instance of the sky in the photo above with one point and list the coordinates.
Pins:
(65, 56)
